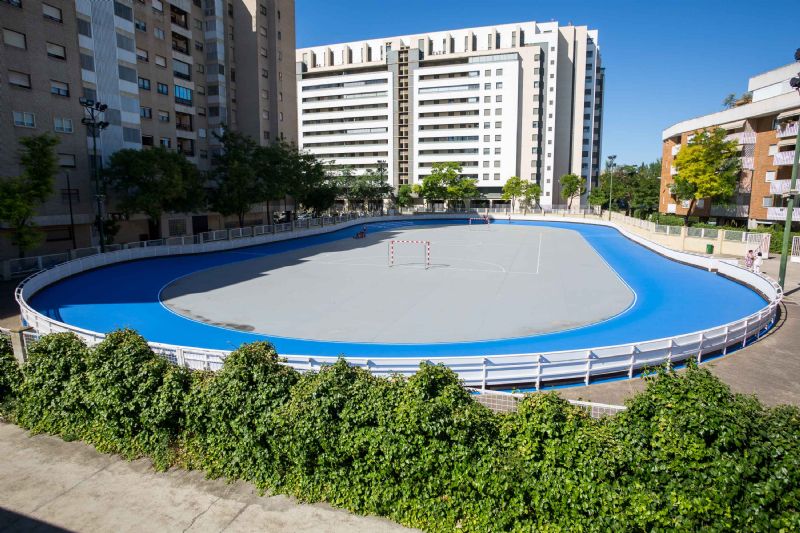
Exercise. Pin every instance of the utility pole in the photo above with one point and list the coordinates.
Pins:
(611, 164)
(787, 229)
(91, 121)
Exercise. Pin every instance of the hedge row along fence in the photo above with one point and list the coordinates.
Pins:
(687, 454)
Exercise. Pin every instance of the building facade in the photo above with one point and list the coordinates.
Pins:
(172, 73)
(520, 99)
(766, 130)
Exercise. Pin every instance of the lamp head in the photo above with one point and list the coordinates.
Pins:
(86, 102)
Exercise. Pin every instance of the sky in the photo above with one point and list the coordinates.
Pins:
(665, 61)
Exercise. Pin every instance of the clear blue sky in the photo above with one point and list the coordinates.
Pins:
(665, 61)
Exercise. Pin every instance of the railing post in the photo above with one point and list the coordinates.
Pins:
(588, 367)
(538, 372)
(744, 340)
(485, 372)
(632, 362)
(725, 343)
(700, 350)
(180, 358)
(18, 343)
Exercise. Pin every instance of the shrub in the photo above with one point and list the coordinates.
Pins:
(52, 397)
(136, 398)
(10, 380)
(229, 422)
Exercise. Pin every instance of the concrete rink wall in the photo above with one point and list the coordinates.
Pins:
(485, 282)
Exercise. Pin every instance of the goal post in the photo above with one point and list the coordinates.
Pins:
(425, 246)
(479, 222)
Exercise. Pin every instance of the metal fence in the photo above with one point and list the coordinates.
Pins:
(530, 369)
(507, 402)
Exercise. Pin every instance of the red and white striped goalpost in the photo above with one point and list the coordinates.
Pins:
(427, 245)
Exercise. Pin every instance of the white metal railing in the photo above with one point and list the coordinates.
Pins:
(779, 213)
(480, 371)
(787, 130)
(504, 402)
(779, 186)
(795, 257)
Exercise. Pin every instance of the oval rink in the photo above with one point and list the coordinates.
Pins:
(630, 293)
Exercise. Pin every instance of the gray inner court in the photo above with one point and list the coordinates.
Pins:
(485, 282)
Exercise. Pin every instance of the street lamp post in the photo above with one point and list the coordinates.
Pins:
(95, 125)
(787, 229)
(611, 163)
(71, 216)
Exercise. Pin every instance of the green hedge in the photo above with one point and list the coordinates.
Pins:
(688, 454)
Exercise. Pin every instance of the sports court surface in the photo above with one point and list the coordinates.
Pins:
(509, 288)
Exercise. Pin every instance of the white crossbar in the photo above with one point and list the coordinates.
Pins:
(427, 245)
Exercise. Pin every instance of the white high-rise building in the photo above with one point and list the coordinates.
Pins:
(519, 99)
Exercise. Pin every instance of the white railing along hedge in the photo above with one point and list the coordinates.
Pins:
(536, 369)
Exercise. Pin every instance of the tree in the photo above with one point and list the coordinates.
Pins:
(276, 167)
(446, 182)
(634, 188)
(238, 184)
(572, 187)
(513, 189)
(646, 188)
(729, 101)
(404, 195)
(707, 167)
(310, 185)
(531, 194)
(21, 195)
(154, 181)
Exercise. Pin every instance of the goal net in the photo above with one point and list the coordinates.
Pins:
(402, 252)
(479, 223)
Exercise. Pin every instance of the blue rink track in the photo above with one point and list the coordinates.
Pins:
(671, 299)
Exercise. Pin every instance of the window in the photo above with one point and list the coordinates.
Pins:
(497, 151)
(766, 201)
(486, 138)
(166, 142)
(498, 85)
(499, 72)
(59, 88)
(200, 68)
(162, 88)
(125, 42)
(144, 84)
(487, 86)
(487, 112)
(123, 11)
(19, 79)
(262, 9)
(486, 164)
(128, 74)
(142, 55)
(486, 151)
(486, 176)
(773, 149)
(163, 116)
(487, 72)
(158, 7)
(200, 89)
(198, 46)
(24, 119)
(131, 135)
(498, 98)
(181, 70)
(770, 176)
(161, 61)
(487, 124)
(146, 112)
(497, 176)
(89, 93)
(140, 25)
(497, 164)
(66, 160)
(87, 62)
(84, 27)
(198, 24)
(264, 73)
(159, 33)
(15, 39)
(201, 111)
(498, 137)
(498, 124)
(52, 13)
(147, 140)
(279, 35)
(63, 125)
(177, 227)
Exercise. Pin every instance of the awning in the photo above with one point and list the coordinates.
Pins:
(786, 142)
(732, 125)
(787, 114)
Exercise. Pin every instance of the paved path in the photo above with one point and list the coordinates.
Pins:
(48, 484)
(769, 368)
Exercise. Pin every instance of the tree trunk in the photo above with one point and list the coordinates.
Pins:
(688, 212)
(241, 219)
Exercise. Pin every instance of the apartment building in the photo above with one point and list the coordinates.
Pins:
(172, 73)
(766, 130)
(520, 99)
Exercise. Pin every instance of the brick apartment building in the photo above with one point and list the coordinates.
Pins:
(172, 72)
(766, 129)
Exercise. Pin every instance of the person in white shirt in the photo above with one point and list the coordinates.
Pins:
(757, 263)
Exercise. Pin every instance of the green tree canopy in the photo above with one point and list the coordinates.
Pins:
(572, 186)
(707, 167)
(446, 182)
(634, 188)
(404, 195)
(21, 195)
(531, 193)
(513, 189)
(238, 175)
(155, 181)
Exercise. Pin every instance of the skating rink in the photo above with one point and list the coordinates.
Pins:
(484, 282)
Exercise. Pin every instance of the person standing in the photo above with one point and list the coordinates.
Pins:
(748, 259)
(757, 263)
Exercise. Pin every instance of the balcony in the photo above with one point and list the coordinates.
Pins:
(742, 137)
(673, 171)
(779, 186)
(732, 210)
(783, 158)
(779, 213)
(787, 130)
(676, 149)
(747, 163)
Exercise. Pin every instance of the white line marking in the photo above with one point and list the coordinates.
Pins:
(539, 255)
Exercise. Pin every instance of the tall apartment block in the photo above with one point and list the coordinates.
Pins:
(766, 131)
(511, 100)
(172, 73)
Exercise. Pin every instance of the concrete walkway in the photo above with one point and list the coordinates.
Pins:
(769, 368)
(49, 484)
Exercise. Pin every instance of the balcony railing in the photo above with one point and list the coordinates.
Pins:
(748, 163)
(779, 213)
(779, 186)
(783, 158)
(676, 149)
(787, 130)
(742, 137)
